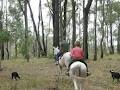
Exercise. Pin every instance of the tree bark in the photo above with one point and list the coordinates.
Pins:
(55, 6)
(110, 25)
(85, 27)
(95, 18)
(118, 40)
(60, 24)
(35, 30)
(24, 10)
(102, 28)
(26, 31)
(64, 25)
(43, 36)
(16, 51)
(73, 23)
(1, 29)
(7, 44)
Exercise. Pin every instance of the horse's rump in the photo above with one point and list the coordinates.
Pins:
(78, 69)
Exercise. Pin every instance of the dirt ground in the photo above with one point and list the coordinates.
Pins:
(43, 74)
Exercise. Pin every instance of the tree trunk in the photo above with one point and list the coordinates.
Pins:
(85, 27)
(110, 25)
(8, 55)
(118, 40)
(60, 24)
(80, 30)
(102, 28)
(107, 34)
(43, 36)
(95, 46)
(16, 54)
(55, 6)
(1, 28)
(24, 10)
(73, 23)
(7, 46)
(26, 31)
(64, 25)
(35, 30)
(111, 40)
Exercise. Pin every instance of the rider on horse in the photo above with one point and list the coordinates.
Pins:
(58, 52)
(64, 47)
(77, 54)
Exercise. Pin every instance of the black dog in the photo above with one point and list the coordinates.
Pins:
(15, 75)
(115, 75)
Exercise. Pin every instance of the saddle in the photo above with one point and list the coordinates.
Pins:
(82, 61)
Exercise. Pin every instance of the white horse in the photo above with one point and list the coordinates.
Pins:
(77, 71)
(56, 50)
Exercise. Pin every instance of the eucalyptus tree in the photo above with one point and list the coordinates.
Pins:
(16, 25)
(4, 37)
(110, 25)
(1, 29)
(55, 8)
(111, 16)
(95, 25)
(118, 40)
(65, 17)
(102, 21)
(43, 29)
(116, 9)
(40, 49)
(24, 10)
(73, 22)
(6, 19)
(86, 10)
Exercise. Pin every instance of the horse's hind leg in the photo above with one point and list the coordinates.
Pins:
(76, 84)
(60, 67)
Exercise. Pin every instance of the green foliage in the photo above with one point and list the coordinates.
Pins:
(22, 46)
(4, 36)
(116, 7)
(112, 11)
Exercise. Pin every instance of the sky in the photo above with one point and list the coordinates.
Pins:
(35, 7)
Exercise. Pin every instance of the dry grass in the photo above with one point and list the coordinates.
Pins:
(43, 74)
(101, 78)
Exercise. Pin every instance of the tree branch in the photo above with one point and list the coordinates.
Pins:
(21, 7)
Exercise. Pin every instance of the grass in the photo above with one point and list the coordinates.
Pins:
(33, 74)
(43, 74)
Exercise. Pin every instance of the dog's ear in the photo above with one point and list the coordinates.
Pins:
(111, 70)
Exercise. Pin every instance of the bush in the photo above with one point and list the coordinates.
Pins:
(4, 36)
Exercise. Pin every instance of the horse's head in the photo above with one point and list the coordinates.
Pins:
(56, 50)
